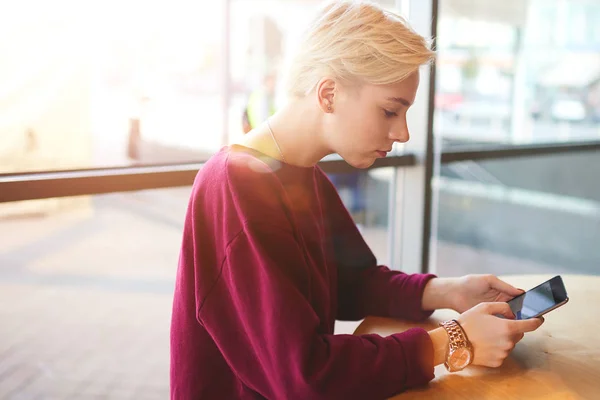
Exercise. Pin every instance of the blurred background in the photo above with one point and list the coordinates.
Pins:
(507, 145)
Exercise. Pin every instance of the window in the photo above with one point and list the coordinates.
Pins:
(86, 289)
(512, 76)
(517, 72)
(263, 33)
(538, 214)
(108, 85)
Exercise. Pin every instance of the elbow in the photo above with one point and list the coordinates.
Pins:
(350, 310)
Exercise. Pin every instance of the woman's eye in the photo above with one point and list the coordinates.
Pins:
(389, 114)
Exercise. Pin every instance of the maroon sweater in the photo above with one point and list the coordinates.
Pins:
(270, 259)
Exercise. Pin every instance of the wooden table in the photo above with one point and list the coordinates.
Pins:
(561, 360)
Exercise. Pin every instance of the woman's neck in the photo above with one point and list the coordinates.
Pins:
(296, 130)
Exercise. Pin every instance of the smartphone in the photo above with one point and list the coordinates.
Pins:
(540, 300)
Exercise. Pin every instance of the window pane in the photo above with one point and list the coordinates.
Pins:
(527, 215)
(518, 71)
(110, 84)
(86, 289)
(366, 195)
(262, 33)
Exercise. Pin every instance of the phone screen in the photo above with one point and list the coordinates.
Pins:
(538, 300)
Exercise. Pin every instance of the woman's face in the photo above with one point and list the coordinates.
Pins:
(366, 121)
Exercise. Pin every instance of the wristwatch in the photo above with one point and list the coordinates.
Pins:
(460, 350)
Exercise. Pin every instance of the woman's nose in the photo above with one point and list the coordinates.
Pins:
(400, 135)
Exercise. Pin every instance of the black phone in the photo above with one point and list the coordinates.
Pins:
(540, 300)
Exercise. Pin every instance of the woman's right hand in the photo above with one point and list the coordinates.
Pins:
(493, 338)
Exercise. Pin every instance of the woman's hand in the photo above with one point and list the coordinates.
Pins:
(493, 338)
(471, 290)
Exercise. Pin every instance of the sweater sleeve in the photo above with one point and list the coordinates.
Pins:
(376, 290)
(260, 316)
(365, 288)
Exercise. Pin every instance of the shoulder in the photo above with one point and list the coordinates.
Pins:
(242, 182)
(242, 169)
(253, 180)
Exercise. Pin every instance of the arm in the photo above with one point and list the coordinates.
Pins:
(259, 315)
(462, 293)
(439, 339)
(365, 288)
(438, 292)
(378, 291)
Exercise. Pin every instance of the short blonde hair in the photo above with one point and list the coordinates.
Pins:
(356, 43)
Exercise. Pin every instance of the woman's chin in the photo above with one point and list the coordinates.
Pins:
(361, 163)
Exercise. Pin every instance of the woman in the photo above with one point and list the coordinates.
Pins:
(271, 258)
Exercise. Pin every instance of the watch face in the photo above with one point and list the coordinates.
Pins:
(460, 358)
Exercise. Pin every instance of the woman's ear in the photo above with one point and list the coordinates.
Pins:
(325, 92)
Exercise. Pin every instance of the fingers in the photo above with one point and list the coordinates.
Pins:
(499, 308)
(504, 287)
(516, 338)
(526, 325)
(493, 339)
(501, 351)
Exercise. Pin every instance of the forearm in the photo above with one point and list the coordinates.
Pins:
(379, 291)
(438, 294)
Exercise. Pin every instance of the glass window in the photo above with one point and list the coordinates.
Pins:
(111, 84)
(517, 72)
(366, 195)
(262, 34)
(526, 215)
(514, 72)
(86, 286)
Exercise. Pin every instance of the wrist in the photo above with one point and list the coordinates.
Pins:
(460, 350)
(438, 293)
(439, 339)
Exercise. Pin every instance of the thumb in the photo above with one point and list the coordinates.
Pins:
(499, 308)
(527, 325)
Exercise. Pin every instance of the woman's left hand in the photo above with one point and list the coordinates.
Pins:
(471, 290)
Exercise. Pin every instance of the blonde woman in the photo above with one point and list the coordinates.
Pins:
(271, 258)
